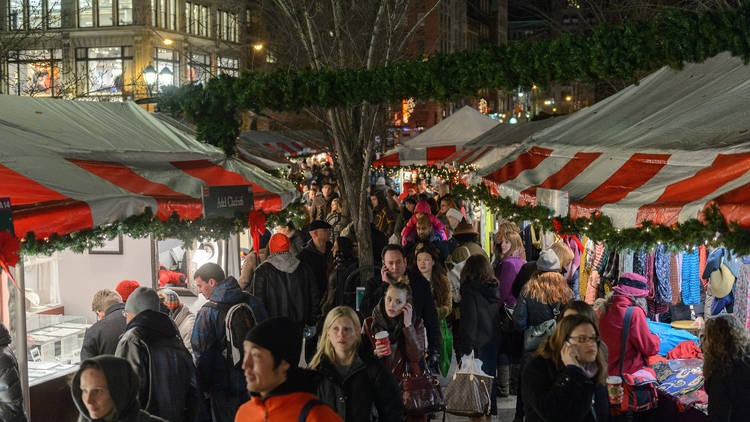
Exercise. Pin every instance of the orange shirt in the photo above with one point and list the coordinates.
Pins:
(284, 408)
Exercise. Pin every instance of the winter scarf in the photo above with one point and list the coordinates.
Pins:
(382, 322)
(690, 281)
(662, 283)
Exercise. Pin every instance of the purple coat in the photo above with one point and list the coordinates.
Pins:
(506, 273)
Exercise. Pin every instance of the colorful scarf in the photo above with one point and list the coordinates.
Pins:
(690, 281)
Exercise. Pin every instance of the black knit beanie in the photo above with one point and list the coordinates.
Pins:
(281, 336)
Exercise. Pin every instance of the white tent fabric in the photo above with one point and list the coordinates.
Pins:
(661, 150)
(69, 166)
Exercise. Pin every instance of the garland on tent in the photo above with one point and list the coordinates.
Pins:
(145, 224)
(713, 230)
(608, 52)
(444, 172)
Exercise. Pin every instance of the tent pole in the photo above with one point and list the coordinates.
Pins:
(154, 262)
(19, 339)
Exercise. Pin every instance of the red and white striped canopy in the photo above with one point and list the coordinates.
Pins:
(68, 166)
(285, 143)
(660, 151)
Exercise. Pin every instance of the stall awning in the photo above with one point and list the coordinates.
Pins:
(285, 143)
(660, 151)
(69, 166)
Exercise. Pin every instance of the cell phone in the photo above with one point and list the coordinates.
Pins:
(575, 351)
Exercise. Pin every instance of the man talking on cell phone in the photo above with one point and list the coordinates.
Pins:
(394, 266)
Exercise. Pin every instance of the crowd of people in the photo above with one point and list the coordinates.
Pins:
(292, 340)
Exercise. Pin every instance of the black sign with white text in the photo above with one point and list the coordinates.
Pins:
(227, 201)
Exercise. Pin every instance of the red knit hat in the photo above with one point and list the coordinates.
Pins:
(126, 287)
(278, 243)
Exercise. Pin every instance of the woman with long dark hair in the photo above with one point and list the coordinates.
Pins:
(354, 379)
(406, 333)
(565, 378)
(726, 368)
(480, 303)
(427, 261)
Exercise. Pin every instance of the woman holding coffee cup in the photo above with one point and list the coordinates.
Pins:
(566, 375)
(396, 335)
(354, 379)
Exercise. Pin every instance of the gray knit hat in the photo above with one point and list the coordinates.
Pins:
(142, 299)
(548, 261)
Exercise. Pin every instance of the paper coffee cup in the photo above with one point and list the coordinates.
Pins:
(614, 389)
(381, 338)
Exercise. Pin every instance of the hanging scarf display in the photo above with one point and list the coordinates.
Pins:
(674, 278)
(639, 262)
(584, 270)
(626, 261)
(690, 279)
(743, 296)
(662, 283)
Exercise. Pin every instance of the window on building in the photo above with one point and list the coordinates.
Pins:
(85, 13)
(105, 13)
(164, 14)
(196, 19)
(172, 23)
(33, 14)
(228, 66)
(35, 72)
(165, 58)
(199, 68)
(104, 70)
(125, 12)
(227, 23)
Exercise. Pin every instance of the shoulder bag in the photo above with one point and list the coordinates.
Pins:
(638, 395)
(534, 336)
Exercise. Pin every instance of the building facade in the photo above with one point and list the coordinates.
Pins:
(99, 49)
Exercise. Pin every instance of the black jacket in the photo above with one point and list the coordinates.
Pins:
(344, 264)
(168, 387)
(368, 383)
(529, 312)
(286, 286)
(523, 277)
(11, 396)
(566, 396)
(318, 263)
(728, 395)
(424, 306)
(102, 337)
(480, 304)
(123, 386)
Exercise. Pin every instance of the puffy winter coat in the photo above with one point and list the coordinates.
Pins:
(286, 401)
(11, 396)
(368, 383)
(641, 343)
(567, 395)
(168, 388)
(214, 373)
(102, 337)
(480, 303)
(409, 232)
(123, 386)
(530, 312)
(184, 320)
(286, 286)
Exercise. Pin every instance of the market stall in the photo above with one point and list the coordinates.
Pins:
(70, 169)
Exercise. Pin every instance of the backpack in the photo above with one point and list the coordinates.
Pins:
(239, 319)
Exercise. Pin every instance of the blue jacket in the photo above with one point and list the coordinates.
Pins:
(214, 372)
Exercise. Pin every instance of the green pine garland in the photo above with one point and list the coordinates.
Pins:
(142, 225)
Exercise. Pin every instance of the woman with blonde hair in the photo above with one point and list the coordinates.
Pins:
(336, 218)
(565, 377)
(726, 367)
(354, 380)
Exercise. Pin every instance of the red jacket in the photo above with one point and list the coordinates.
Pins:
(641, 343)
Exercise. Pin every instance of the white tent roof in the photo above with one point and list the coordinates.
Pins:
(69, 165)
(661, 150)
(456, 129)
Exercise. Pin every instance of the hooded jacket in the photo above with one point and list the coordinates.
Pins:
(11, 396)
(367, 383)
(168, 387)
(480, 301)
(286, 401)
(123, 385)
(208, 340)
(287, 288)
(641, 343)
(409, 232)
(102, 337)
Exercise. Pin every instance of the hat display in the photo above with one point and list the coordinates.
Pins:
(142, 299)
(126, 287)
(548, 261)
(464, 228)
(721, 281)
(455, 214)
(319, 224)
(281, 336)
(278, 243)
(632, 284)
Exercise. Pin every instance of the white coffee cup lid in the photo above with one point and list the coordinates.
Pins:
(614, 379)
(381, 334)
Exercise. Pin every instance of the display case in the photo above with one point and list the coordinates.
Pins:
(54, 345)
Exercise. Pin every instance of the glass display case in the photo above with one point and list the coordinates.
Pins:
(54, 345)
